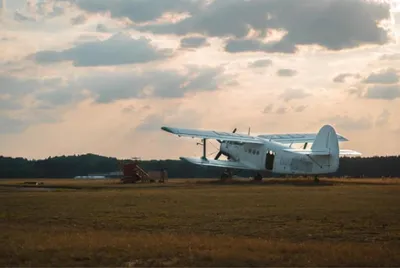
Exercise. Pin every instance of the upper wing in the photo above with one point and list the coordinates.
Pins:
(207, 134)
(296, 138)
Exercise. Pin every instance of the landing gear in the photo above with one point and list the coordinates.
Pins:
(316, 180)
(226, 175)
(258, 177)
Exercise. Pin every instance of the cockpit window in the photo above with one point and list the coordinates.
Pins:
(236, 143)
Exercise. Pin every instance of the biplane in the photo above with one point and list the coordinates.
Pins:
(271, 153)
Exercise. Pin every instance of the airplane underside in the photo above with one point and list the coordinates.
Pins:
(303, 168)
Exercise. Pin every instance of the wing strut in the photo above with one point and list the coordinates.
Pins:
(305, 145)
(204, 149)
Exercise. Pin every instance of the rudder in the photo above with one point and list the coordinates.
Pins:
(327, 140)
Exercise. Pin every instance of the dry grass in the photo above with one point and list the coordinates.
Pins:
(183, 223)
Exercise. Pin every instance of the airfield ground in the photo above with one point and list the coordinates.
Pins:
(348, 222)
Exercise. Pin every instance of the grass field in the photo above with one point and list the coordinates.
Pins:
(346, 222)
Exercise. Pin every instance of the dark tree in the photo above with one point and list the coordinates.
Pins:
(81, 165)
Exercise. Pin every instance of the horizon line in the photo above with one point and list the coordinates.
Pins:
(153, 159)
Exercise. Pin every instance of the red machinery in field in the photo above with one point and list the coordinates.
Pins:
(133, 173)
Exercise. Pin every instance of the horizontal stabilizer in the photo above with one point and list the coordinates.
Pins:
(349, 152)
(215, 163)
(322, 152)
(308, 152)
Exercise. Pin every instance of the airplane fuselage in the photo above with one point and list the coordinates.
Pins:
(271, 157)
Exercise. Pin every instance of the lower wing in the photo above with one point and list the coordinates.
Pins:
(216, 163)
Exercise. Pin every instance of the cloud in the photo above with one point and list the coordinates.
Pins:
(268, 109)
(332, 24)
(40, 11)
(59, 97)
(187, 118)
(347, 123)
(80, 19)
(101, 28)
(255, 45)
(281, 110)
(355, 91)
(9, 104)
(388, 92)
(85, 38)
(18, 16)
(131, 109)
(389, 57)
(383, 118)
(388, 76)
(51, 9)
(340, 78)
(117, 50)
(26, 101)
(107, 87)
(26, 94)
(17, 86)
(286, 72)
(193, 42)
(138, 11)
(293, 93)
(300, 108)
(260, 63)
(151, 123)
(11, 125)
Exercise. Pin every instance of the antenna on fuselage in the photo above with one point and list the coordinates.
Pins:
(249, 131)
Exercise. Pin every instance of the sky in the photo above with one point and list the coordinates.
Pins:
(102, 77)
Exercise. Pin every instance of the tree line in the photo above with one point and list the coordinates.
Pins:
(81, 165)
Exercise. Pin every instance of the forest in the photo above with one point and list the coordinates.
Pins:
(81, 165)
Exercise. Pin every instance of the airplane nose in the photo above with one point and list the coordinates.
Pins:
(223, 148)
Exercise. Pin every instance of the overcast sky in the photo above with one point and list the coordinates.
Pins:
(101, 76)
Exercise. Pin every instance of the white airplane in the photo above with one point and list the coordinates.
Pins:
(272, 153)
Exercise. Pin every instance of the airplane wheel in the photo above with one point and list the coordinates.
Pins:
(316, 180)
(258, 177)
(225, 176)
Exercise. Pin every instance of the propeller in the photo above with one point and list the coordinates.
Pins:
(221, 153)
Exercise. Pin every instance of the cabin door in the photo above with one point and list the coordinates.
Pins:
(269, 160)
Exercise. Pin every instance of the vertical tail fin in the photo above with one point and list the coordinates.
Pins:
(327, 140)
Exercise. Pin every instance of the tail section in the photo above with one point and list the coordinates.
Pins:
(327, 141)
(324, 152)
